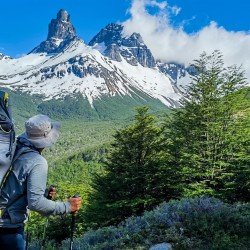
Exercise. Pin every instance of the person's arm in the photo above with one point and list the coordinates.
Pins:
(36, 184)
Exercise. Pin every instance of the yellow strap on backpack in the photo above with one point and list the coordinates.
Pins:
(5, 98)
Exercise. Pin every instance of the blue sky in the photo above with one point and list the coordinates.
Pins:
(24, 23)
(174, 30)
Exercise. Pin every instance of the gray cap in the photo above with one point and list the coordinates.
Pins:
(41, 132)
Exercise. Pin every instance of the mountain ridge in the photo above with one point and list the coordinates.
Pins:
(63, 65)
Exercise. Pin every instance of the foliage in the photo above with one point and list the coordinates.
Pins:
(106, 108)
(135, 176)
(117, 107)
(209, 137)
(199, 223)
(68, 108)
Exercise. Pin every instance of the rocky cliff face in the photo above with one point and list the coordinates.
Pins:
(61, 32)
(131, 48)
(175, 71)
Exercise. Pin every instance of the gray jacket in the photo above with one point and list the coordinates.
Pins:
(25, 189)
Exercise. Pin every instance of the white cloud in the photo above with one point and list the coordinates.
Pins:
(173, 44)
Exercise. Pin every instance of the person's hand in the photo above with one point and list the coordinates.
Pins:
(75, 204)
(51, 192)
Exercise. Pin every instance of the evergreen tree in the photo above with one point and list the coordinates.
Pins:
(208, 137)
(136, 177)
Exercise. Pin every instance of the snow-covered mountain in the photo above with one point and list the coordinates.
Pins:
(110, 65)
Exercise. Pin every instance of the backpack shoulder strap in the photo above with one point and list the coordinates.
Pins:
(4, 104)
(6, 121)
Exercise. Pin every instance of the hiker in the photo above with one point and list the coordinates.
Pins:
(25, 186)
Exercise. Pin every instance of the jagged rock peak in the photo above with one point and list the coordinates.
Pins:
(61, 34)
(131, 48)
(112, 33)
(114, 26)
(63, 15)
(61, 27)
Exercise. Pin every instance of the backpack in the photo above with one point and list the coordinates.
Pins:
(10, 149)
(7, 135)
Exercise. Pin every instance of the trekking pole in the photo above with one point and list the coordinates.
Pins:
(73, 224)
(27, 239)
(52, 188)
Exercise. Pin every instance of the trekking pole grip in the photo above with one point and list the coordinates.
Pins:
(76, 196)
(52, 188)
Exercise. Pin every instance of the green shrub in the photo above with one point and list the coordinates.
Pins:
(199, 223)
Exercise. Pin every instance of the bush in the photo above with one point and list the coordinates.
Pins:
(199, 223)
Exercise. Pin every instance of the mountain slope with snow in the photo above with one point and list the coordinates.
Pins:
(111, 65)
(82, 69)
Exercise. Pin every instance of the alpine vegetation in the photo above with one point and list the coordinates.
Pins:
(200, 223)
